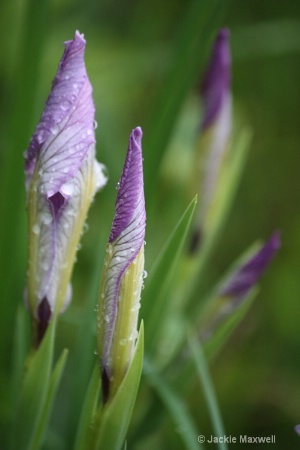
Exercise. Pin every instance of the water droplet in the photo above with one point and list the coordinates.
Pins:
(145, 242)
(67, 189)
(36, 229)
(95, 125)
(85, 227)
(46, 218)
(106, 318)
(95, 352)
(96, 308)
(65, 105)
(117, 185)
(145, 274)
(136, 307)
(45, 266)
(54, 130)
(108, 248)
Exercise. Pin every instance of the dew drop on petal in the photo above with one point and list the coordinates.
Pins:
(36, 229)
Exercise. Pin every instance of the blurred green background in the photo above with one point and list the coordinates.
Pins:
(129, 51)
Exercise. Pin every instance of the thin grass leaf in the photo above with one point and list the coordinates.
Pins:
(175, 406)
(34, 391)
(12, 237)
(20, 350)
(38, 438)
(88, 411)
(208, 388)
(198, 28)
(111, 423)
(156, 300)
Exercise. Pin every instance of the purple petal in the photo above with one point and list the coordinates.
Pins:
(216, 82)
(248, 275)
(297, 429)
(130, 186)
(128, 231)
(66, 129)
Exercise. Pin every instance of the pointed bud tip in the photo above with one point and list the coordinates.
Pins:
(250, 272)
(216, 81)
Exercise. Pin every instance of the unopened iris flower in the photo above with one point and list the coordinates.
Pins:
(241, 282)
(62, 176)
(122, 277)
(215, 129)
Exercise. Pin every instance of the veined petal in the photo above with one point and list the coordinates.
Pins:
(123, 268)
(66, 129)
(247, 276)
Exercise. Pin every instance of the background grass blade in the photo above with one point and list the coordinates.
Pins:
(38, 438)
(199, 25)
(155, 302)
(176, 407)
(88, 411)
(208, 389)
(34, 391)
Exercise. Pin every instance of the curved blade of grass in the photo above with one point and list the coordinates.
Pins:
(208, 389)
(175, 406)
(155, 302)
(197, 31)
(112, 422)
(38, 438)
(221, 334)
(88, 411)
(34, 391)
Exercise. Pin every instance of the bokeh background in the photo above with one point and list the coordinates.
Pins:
(130, 47)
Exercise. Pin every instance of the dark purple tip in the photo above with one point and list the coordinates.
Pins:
(43, 318)
(248, 275)
(131, 186)
(216, 81)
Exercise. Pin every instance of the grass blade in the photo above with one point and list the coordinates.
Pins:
(175, 406)
(208, 389)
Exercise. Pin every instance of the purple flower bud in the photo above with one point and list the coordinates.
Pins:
(62, 176)
(214, 137)
(216, 83)
(248, 275)
(122, 277)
